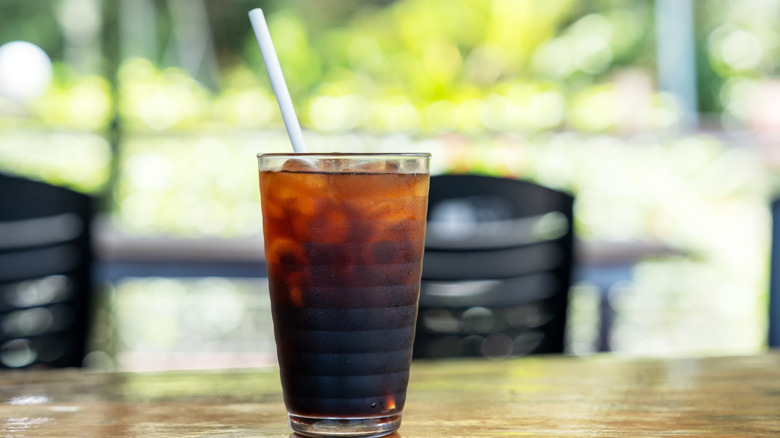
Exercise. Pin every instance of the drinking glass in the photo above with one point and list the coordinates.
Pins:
(344, 237)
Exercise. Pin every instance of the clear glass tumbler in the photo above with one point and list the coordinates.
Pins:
(344, 237)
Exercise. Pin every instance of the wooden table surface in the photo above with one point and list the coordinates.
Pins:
(597, 396)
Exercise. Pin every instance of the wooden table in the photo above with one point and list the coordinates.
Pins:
(598, 396)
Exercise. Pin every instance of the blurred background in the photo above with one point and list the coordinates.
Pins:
(662, 118)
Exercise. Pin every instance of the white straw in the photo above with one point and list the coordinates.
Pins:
(263, 36)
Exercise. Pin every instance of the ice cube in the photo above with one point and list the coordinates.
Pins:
(296, 296)
(331, 164)
(298, 165)
(376, 167)
(285, 251)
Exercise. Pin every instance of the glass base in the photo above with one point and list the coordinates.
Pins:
(345, 427)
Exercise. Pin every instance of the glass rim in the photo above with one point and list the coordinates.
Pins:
(345, 154)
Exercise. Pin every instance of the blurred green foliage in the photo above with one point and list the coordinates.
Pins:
(561, 92)
(416, 66)
(422, 66)
(494, 87)
(458, 76)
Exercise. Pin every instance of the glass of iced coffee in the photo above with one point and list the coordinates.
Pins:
(344, 236)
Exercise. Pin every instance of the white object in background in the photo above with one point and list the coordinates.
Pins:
(25, 71)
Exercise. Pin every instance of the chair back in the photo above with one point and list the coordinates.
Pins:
(45, 274)
(497, 268)
(773, 337)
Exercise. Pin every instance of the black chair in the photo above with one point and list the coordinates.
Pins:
(45, 274)
(774, 279)
(497, 268)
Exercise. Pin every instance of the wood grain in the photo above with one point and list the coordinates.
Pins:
(542, 396)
